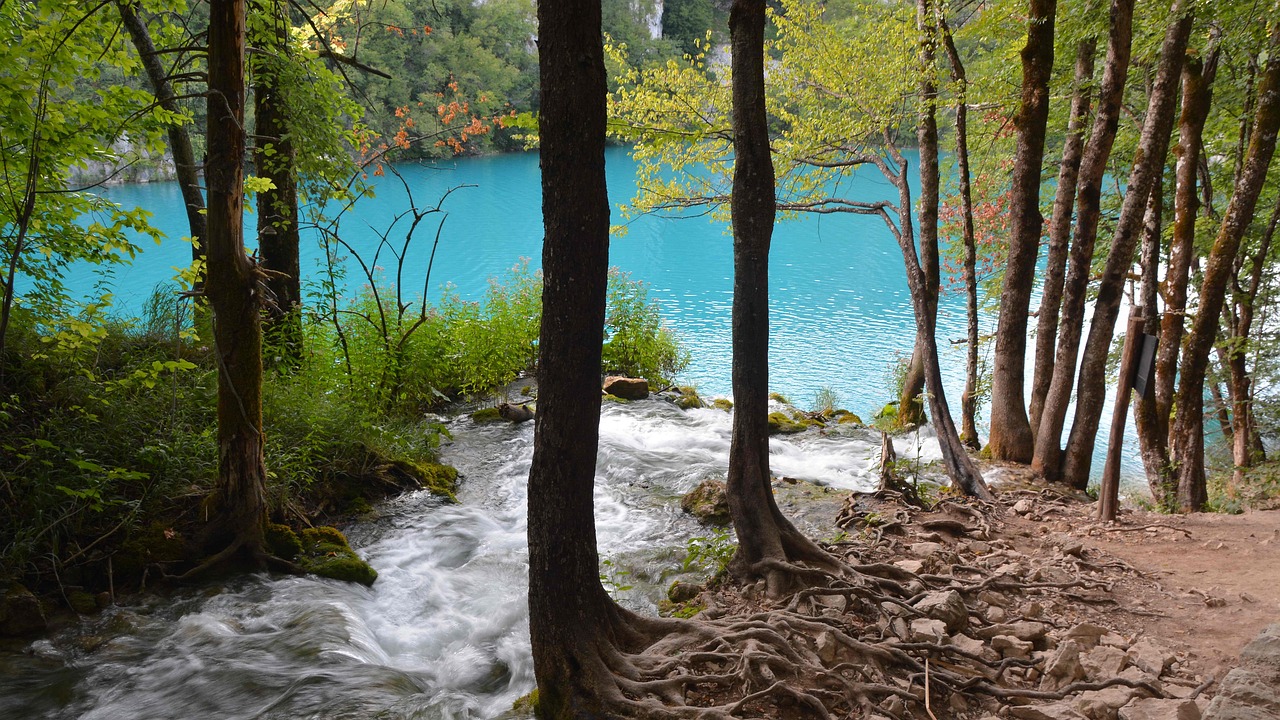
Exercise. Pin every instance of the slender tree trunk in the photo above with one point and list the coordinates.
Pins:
(1144, 409)
(1093, 167)
(573, 623)
(765, 537)
(1188, 430)
(1154, 412)
(968, 401)
(1240, 384)
(1011, 437)
(275, 160)
(910, 403)
(185, 168)
(1153, 146)
(1060, 230)
(233, 288)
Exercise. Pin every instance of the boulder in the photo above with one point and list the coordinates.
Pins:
(683, 592)
(1102, 662)
(20, 612)
(515, 413)
(1103, 704)
(947, 606)
(1251, 691)
(626, 388)
(1157, 709)
(709, 502)
(1063, 667)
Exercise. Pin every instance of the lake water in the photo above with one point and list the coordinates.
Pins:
(840, 309)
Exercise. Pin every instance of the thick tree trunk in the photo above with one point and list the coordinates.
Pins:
(1010, 431)
(1060, 230)
(968, 401)
(1153, 146)
(274, 158)
(232, 288)
(572, 621)
(923, 275)
(1188, 430)
(185, 168)
(766, 539)
(1011, 437)
(1154, 411)
(1093, 168)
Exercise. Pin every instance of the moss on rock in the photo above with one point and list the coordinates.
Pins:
(709, 502)
(440, 479)
(82, 602)
(781, 424)
(527, 703)
(722, 404)
(844, 417)
(688, 399)
(282, 541)
(327, 554)
(779, 397)
(487, 415)
(614, 399)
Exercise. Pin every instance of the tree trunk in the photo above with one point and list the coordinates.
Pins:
(1240, 384)
(968, 401)
(274, 158)
(185, 168)
(765, 537)
(1188, 431)
(1093, 168)
(572, 621)
(1153, 146)
(1060, 230)
(1011, 437)
(1154, 411)
(1144, 409)
(923, 275)
(910, 404)
(233, 287)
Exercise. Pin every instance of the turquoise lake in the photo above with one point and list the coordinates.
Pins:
(840, 309)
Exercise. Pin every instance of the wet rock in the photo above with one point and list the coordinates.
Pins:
(947, 606)
(680, 592)
(626, 388)
(515, 413)
(1157, 709)
(1102, 663)
(709, 502)
(1063, 667)
(20, 612)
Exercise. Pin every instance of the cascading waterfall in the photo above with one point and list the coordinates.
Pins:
(444, 631)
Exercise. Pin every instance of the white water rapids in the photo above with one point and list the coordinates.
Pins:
(443, 633)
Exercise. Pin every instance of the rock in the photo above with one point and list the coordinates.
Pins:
(688, 399)
(680, 592)
(1155, 709)
(827, 646)
(1025, 630)
(996, 615)
(926, 549)
(20, 612)
(1150, 657)
(1113, 640)
(327, 554)
(781, 424)
(1103, 704)
(927, 630)
(1060, 710)
(515, 413)
(1024, 506)
(486, 415)
(1063, 667)
(1103, 663)
(709, 502)
(947, 606)
(1251, 691)
(912, 566)
(626, 388)
(722, 404)
(973, 646)
(1086, 634)
(1011, 647)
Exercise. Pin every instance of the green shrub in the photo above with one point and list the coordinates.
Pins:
(637, 344)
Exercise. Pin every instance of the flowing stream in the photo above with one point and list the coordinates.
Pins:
(443, 633)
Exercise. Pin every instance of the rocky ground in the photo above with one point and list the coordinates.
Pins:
(1067, 618)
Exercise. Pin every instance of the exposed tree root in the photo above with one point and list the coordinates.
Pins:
(856, 640)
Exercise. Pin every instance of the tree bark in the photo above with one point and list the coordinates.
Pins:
(1011, 437)
(1188, 431)
(1093, 168)
(1153, 146)
(765, 537)
(1153, 412)
(923, 274)
(233, 289)
(910, 404)
(1060, 230)
(186, 171)
(572, 621)
(274, 157)
(968, 401)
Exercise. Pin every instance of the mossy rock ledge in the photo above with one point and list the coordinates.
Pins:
(322, 551)
(782, 424)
